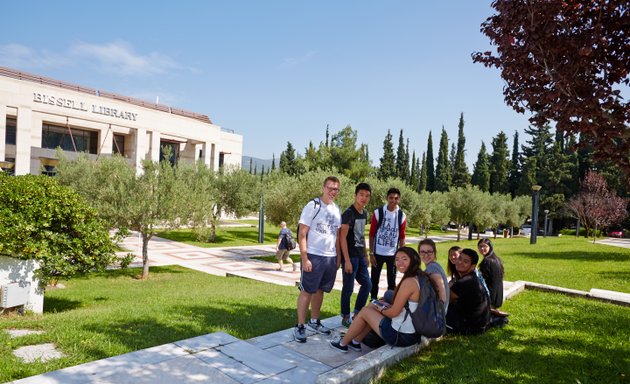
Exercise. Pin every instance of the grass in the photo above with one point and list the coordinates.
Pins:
(551, 338)
(225, 236)
(112, 313)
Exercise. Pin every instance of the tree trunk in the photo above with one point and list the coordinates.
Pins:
(145, 256)
(213, 233)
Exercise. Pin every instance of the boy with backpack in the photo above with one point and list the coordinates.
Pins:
(354, 259)
(387, 234)
(285, 244)
(318, 232)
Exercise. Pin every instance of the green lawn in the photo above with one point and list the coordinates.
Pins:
(112, 313)
(225, 236)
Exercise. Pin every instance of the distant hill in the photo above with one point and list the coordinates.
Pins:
(256, 163)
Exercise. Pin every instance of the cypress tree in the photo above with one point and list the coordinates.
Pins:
(442, 170)
(451, 159)
(514, 174)
(250, 165)
(422, 184)
(414, 178)
(273, 162)
(461, 177)
(499, 164)
(430, 167)
(481, 173)
(387, 167)
(402, 168)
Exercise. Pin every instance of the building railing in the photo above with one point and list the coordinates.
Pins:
(7, 72)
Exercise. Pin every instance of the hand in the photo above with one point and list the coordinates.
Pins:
(307, 266)
(347, 267)
(372, 260)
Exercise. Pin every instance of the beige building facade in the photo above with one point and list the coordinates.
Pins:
(39, 114)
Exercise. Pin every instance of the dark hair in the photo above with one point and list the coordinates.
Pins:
(393, 190)
(450, 267)
(363, 187)
(414, 265)
(331, 178)
(490, 252)
(428, 242)
(474, 256)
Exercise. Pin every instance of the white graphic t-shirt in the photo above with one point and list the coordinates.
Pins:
(323, 227)
(387, 236)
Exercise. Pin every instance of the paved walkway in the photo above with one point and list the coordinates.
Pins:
(222, 358)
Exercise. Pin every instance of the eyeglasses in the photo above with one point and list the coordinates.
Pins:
(332, 189)
(427, 253)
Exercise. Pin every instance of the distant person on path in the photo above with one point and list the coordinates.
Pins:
(491, 269)
(469, 308)
(387, 234)
(320, 255)
(428, 254)
(354, 257)
(389, 321)
(283, 253)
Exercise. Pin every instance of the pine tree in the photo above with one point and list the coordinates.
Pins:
(387, 167)
(514, 174)
(422, 184)
(402, 169)
(461, 177)
(499, 164)
(288, 161)
(430, 167)
(442, 170)
(481, 173)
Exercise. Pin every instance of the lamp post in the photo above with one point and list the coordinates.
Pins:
(261, 222)
(7, 166)
(546, 213)
(49, 164)
(535, 199)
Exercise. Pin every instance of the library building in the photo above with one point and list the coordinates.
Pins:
(39, 114)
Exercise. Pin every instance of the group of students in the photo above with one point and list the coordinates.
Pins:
(329, 239)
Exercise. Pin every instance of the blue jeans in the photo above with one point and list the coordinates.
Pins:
(360, 273)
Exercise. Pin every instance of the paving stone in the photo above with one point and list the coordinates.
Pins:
(200, 343)
(13, 333)
(41, 352)
(255, 358)
(230, 367)
(185, 369)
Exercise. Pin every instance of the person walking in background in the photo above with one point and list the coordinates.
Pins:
(387, 234)
(469, 308)
(354, 258)
(320, 256)
(283, 251)
(491, 269)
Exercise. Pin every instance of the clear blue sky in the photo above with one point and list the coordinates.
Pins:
(277, 71)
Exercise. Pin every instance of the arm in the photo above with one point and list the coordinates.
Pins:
(407, 289)
(341, 237)
(306, 263)
(403, 233)
(372, 236)
(438, 283)
(278, 242)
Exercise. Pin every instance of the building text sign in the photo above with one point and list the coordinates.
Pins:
(81, 106)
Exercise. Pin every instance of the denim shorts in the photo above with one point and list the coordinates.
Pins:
(395, 338)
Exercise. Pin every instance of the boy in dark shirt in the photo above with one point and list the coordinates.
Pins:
(469, 311)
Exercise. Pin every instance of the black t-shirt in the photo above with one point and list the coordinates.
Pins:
(356, 233)
(471, 310)
(492, 271)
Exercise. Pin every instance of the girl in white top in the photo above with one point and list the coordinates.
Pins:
(388, 321)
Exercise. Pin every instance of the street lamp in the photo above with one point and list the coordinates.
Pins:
(49, 164)
(546, 213)
(535, 197)
(7, 166)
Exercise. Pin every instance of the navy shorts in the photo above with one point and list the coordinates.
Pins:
(395, 338)
(322, 276)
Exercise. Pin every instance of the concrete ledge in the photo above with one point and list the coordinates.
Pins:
(551, 288)
(614, 297)
(619, 298)
(514, 289)
(371, 365)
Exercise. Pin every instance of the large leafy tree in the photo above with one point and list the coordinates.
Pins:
(442, 170)
(461, 177)
(387, 167)
(566, 61)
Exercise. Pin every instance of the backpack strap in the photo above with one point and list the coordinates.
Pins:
(400, 216)
(379, 220)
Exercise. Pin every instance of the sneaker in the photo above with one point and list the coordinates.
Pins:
(336, 345)
(355, 346)
(346, 321)
(319, 327)
(299, 334)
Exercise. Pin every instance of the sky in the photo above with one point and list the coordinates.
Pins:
(277, 70)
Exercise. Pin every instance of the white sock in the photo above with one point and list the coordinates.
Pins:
(313, 320)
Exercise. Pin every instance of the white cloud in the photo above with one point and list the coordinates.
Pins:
(290, 62)
(20, 56)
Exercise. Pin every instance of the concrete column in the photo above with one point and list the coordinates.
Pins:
(155, 146)
(3, 131)
(140, 144)
(206, 149)
(106, 137)
(23, 141)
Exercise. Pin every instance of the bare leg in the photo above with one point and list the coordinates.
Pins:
(304, 299)
(316, 303)
(368, 319)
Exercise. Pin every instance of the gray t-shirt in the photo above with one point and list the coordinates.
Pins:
(434, 267)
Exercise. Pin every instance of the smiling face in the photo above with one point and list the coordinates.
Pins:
(453, 255)
(402, 261)
(330, 191)
(362, 198)
(392, 201)
(464, 265)
(427, 254)
(483, 248)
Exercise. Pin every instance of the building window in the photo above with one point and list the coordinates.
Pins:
(118, 144)
(169, 151)
(11, 131)
(221, 159)
(69, 139)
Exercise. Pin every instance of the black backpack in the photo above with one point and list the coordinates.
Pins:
(289, 240)
(429, 319)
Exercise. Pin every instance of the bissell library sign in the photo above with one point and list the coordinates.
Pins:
(82, 106)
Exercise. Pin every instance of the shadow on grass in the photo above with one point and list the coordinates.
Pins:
(58, 304)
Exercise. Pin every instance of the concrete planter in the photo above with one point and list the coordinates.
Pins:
(21, 271)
